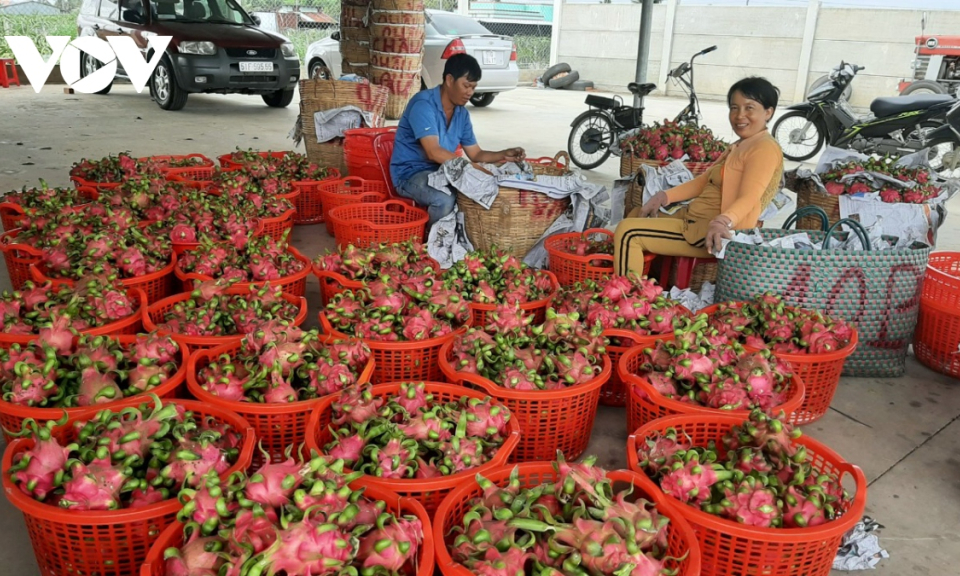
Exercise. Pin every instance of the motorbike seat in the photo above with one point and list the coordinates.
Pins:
(641, 89)
(898, 104)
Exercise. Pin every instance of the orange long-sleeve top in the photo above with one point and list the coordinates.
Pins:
(749, 178)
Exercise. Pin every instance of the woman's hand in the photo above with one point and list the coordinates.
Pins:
(514, 154)
(717, 231)
(652, 208)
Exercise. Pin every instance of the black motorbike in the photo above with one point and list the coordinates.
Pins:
(898, 125)
(596, 133)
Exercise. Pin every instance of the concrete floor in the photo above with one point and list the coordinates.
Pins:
(903, 432)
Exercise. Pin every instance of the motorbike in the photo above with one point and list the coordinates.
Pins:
(596, 134)
(897, 126)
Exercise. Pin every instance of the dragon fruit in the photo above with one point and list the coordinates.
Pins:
(40, 469)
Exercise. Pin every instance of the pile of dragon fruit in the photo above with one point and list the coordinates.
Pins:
(53, 371)
(251, 194)
(668, 141)
(859, 177)
(211, 312)
(130, 458)
(196, 215)
(387, 312)
(278, 364)
(150, 197)
(578, 525)
(183, 162)
(111, 169)
(260, 258)
(766, 322)
(631, 303)
(513, 353)
(410, 435)
(703, 366)
(759, 476)
(292, 166)
(495, 277)
(94, 301)
(405, 263)
(292, 518)
(43, 199)
(585, 245)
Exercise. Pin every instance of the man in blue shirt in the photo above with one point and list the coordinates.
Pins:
(434, 123)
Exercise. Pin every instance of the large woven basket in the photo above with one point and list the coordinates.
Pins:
(879, 291)
(355, 52)
(392, 61)
(358, 34)
(400, 5)
(353, 16)
(809, 195)
(407, 17)
(317, 95)
(397, 38)
(517, 218)
(630, 164)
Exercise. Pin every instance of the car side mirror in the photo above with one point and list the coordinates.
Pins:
(336, 36)
(256, 19)
(133, 16)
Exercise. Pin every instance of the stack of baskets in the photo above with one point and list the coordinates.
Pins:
(396, 50)
(517, 218)
(355, 37)
(318, 95)
(936, 342)
(630, 165)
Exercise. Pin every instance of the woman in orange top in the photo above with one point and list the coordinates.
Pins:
(731, 195)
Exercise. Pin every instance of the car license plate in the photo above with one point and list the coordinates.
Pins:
(490, 58)
(256, 66)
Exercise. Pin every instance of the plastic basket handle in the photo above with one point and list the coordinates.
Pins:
(855, 226)
(601, 231)
(351, 181)
(371, 197)
(9, 244)
(396, 206)
(566, 160)
(622, 335)
(808, 211)
(11, 207)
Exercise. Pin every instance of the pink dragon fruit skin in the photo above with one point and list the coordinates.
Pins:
(93, 487)
(425, 426)
(45, 459)
(412, 397)
(58, 335)
(692, 482)
(485, 419)
(273, 484)
(302, 549)
(161, 349)
(97, 388)
(752, 504)
(392, 546)
(349, 449)
(356, 404)
(193, 559)
(33, 389)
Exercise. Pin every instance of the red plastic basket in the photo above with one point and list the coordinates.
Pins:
(308, 202)
(936, 342)
(369, 225)
(570, 268)
(156, 285)
(226, 160)
(614, 392)
(277, 426)
(942, 283)
(198, 177)
(550, 420)
(429, 492)
(681, 540)
(108, 543)
(349, 190)
(163, 162)
(277, 226)
(294, 284)
(414, 361)
(645, 404)
(13, 415)
(155, 565)
(820, 374)
(80, 183)
(728, 547)
(537, 308)
(332, 284)
(10, 216)
(156, 312)
(18, 257)
(359, 155)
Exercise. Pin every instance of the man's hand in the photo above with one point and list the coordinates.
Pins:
(652, 208)
(514, 154)
(718, 229)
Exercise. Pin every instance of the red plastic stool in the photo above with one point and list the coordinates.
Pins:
(685, 268)
(12, 78)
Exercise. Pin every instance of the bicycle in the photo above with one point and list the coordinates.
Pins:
(596, 134)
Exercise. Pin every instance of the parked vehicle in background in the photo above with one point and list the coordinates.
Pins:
(936, 67)
(899, 125)
(216, 47)
(446, 34)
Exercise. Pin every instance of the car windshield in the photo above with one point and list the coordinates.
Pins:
(214, 11)
(456, 25)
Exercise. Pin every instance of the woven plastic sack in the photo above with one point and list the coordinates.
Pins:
(879, 291)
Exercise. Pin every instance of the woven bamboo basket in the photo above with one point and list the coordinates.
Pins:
(355, 53)
(361, 70)
(355, 34)
(411, 18)
(809, 195)
(397, 38)
(401, 85)
(517, 218)
(391, 61)
(400, 5)
(316, 95)
(630, 165)
(354, 16)
(397, 104)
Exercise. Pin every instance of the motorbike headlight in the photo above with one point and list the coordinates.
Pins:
(288, 50)
(201, 48)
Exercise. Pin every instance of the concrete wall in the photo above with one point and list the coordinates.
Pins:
(600, 41)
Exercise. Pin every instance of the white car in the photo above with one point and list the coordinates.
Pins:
(446, 34)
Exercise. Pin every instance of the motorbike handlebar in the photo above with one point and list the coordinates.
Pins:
(706, 50)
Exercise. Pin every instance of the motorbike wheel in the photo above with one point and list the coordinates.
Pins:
(944, 155)
(590, 140)
(799, 138)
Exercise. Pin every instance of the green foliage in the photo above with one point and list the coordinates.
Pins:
(36, 27)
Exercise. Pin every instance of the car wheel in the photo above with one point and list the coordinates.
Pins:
(89, 65)
(319, 69)
(483, 100)
(278, 99)
(168, 94)
(560, 82)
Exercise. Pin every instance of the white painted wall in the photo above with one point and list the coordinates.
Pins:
(600, 41)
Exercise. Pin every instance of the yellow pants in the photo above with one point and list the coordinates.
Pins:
(663, 236)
